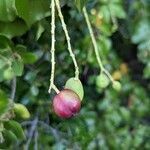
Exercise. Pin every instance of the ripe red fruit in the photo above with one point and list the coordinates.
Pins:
(66, 103)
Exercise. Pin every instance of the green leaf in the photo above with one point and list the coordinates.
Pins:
(32, 11)
(2, 63)
(104, 11)
(139, 34)
(40, 30)
(76, 86)
(23, 9)
(7, 10)
(4, 42)
(8, 73)
(80, 4)
(9, 139)
(27, 57)
(12, 29)
(117, 10)
(16, 128)
(3, 102)
(17, 66)
(147, 71)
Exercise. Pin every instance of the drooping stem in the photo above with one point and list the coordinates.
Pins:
(95, 45)
(93, 38)
(52, 86)
(67, 38)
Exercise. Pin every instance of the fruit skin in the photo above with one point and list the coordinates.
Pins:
(21, 111)
(66, 103)
(102, 81)
(116, 85)
(76, 86)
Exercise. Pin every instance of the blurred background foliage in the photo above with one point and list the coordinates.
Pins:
(108, 119)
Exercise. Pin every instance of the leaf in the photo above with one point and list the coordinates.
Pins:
(139, 34)
(117, 10)
(23, 9)
(34, 90)
(104, 11)
(5, 42)
(147, 71)
(40, 30)
(32, 11)
(27, 57)
(8, 73)
(2, 63)
(76, 86)
(80, 4)
(12, 29)
(17, 66)
(9, 139)
(7, 10)
(16, 128)
(3, 102)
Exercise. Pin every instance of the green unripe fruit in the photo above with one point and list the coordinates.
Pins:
(102, 81)
(21, 111)
(76, 86)
(116, 85)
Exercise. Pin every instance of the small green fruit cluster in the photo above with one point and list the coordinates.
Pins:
(102, 81)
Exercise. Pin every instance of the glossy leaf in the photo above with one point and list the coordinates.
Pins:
(3, 102)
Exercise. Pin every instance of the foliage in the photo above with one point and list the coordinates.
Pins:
(108, 119)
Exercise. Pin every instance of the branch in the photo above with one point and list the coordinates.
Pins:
(13, 89)
(31, 132)
(67, 38)
(52, 86)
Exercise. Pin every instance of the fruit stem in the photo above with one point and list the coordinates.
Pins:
(67, 38)
(93, 38)
(55, 89)
(102, 69)
(52, 86)
(108, 75)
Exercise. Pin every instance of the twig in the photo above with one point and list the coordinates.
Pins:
(13, 89)
(67, 38)
(53, 131)
(31, 132)
(52, 86)
(36, 140)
